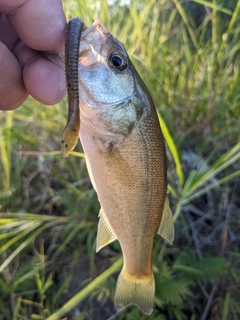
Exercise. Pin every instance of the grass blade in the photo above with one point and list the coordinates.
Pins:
(173, 149)
(74, 301)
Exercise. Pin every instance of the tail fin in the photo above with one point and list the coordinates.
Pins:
(137, 291)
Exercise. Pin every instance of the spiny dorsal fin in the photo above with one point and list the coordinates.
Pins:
(105, 234)
(166, 228)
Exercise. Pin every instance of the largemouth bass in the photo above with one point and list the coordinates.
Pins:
(126, 161)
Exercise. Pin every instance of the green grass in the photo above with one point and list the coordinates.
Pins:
(49, 210)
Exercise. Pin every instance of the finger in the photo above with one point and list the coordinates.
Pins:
(44, 80)
(12, 89)
(7, 33)
(40, 24)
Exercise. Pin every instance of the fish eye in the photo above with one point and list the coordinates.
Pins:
(117, 61)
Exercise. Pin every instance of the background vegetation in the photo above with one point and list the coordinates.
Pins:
(187, 52)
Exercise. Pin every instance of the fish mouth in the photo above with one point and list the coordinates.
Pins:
(92, 37)
(97, 24)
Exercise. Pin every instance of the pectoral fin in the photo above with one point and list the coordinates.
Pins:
(120, 168)
(166, 228)
(105, 234)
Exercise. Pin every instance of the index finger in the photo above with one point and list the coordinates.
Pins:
(40, 24)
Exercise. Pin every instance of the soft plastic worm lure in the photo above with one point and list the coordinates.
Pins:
(71, 132)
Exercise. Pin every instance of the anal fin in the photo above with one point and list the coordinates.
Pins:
(105, 234)
(166, 228)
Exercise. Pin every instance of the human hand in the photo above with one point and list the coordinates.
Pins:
(28, 27)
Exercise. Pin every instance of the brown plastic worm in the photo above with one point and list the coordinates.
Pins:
(71, 132)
